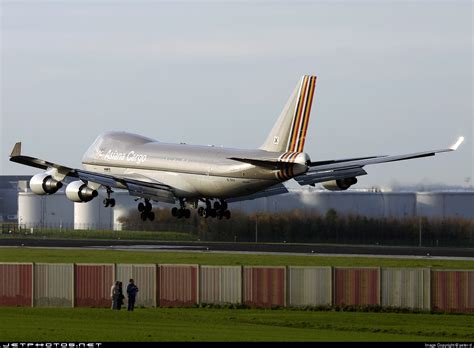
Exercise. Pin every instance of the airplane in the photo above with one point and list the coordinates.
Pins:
(205, 178)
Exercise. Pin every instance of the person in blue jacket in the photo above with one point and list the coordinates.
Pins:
(132, 294)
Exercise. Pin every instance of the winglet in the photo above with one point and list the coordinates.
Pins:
(16, 150)
(456, 145)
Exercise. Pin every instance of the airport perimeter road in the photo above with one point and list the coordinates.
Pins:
(243, 247)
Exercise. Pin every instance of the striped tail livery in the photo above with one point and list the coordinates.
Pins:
(289, 132)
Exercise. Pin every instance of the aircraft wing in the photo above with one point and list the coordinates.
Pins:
(348, 168)
(137, 185)
(143, 187)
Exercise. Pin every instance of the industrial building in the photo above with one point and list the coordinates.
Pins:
(18, 204)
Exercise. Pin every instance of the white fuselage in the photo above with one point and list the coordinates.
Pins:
(193, 171)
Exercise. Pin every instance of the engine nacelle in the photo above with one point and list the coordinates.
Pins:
(339, 184)
(44, 184)
(78, 191)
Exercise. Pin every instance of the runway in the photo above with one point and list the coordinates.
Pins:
(312, 249)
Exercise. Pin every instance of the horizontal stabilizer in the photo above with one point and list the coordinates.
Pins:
(321, 163)
(270, 163)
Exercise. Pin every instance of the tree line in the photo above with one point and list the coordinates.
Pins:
(307, 227)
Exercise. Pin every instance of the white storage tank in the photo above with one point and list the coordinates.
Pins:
(58, 211)
(30, 209)
(368, 204)
(125, 205)
(399, 204)
(344, 203)
(459, 204)
(118, 212)
(92, 215)
(371, 204)
(314, 201)
(48, 211)
(446, 204)
(430, 204)
(285, 202)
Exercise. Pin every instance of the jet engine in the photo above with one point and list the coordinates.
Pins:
(339, 184)
(78, 191)
(43, 184)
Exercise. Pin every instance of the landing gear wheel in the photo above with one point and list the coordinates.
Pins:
(223, 205)
(206, 213)
(227, 214)
(217, 206)
(109, 202)
(151, 216)
(147, 205)
(174, 211)
(187, 213)
(143, 208)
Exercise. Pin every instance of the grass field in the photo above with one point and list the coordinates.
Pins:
(93, 234)
(224, 324)
(21, 254)
(203, 324)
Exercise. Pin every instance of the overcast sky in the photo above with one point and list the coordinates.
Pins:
(393, 78)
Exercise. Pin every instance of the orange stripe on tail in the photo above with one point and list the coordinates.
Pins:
(296, 118)
(309, 103)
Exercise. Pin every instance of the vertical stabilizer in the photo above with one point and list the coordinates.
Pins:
(289, 132)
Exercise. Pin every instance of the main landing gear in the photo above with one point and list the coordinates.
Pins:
(145, 210)
(216, 210)
(182, 211)
(220, 210)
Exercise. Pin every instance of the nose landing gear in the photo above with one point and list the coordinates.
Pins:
(109, 202)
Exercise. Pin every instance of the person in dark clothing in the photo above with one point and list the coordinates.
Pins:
(132, 294)
(120, 296)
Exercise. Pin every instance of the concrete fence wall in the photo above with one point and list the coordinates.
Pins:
(88, 285)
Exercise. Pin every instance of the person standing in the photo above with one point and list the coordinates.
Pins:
(132, 290)
(114, 294)
(120, 296)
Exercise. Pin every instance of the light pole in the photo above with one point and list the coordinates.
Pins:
(256, 228)
(419, 233)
